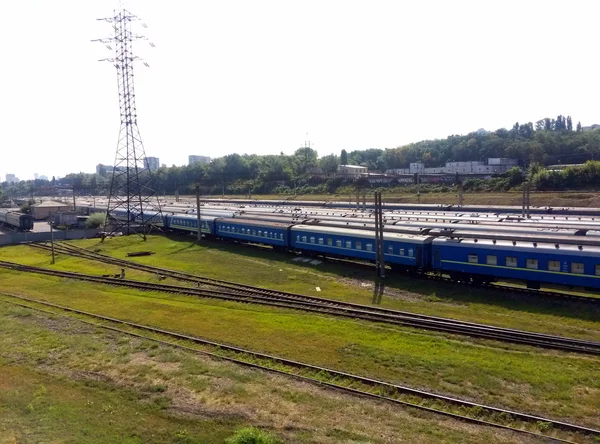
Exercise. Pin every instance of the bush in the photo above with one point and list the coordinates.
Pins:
(252, 435)
(95, 220)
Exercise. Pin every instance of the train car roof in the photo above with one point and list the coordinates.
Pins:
(194, 217)
(413, 238)
(521, 246)
(252, 222)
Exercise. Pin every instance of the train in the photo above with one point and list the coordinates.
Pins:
(418, 207)
(478, 260)
(15, 219)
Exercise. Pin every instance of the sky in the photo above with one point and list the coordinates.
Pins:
(265, 76)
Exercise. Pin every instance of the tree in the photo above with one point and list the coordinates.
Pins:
(569, 124)
(579, 128)
(329, 164)
(95, 220)
(344, 158)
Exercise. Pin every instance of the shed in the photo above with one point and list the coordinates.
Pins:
(43, 210)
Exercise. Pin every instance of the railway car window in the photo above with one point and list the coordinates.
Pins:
(359, 245)
(298, 238)
(348, 244)
(329, 241)
(491, 260)
(411, 252)
(597, 270)
(511, 261)
(401, 251)
(473, 259)
(390, 249)
(320, 241)
(312, 240)
(260, 232)
(303, 238)
(532, 263)
(280, 235)
(554, 265)
(577, 267)
(253, 232)
(369, 247)
(338, 243)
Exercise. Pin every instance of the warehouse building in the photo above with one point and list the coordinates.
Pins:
(352, 170)
(43, 210)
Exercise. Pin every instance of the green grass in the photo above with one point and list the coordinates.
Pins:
(256, 266)
(63, 381)
(520, 378)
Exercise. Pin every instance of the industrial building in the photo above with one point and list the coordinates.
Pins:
(494, 165)
(45, 209)
(352, 170)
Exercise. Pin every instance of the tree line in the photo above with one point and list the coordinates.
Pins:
(545, 142)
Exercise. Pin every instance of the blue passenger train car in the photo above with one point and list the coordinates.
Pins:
(400, 249)
(187, 223)
(486, 260)
(152, 217)
(263, 232)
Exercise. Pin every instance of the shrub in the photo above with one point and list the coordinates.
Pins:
(252, 435)
(95, 220)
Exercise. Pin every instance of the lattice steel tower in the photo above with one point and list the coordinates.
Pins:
(133, 205)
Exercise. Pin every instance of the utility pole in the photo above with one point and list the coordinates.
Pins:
(52, 236)
(74, 199)
(523, 199)
(379, 248)
(198, 213)
(528, 199)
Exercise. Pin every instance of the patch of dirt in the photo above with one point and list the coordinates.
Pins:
(141, 358)
(82, 375)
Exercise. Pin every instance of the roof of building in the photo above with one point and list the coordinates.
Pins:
(353, 166)
(50, 204)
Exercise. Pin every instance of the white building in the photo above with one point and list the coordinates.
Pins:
(11, 178)
(352, 170)
(152, 163)
(192, 159)
(494, 165)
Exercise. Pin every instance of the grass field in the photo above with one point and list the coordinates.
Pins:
(269, 269)
(63, 381)
(550, 383)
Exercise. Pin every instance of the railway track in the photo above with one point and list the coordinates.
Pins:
(462, 410)
(249, 294)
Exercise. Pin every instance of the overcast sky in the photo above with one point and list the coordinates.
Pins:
(257, 76)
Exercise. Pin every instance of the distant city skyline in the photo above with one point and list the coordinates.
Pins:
(352, 75)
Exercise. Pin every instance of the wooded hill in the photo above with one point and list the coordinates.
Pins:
(535, 145)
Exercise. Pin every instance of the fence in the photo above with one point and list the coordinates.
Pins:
(17, 238)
